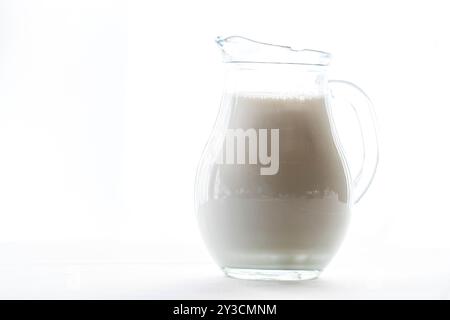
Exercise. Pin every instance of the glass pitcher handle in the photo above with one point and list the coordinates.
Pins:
(365, 114)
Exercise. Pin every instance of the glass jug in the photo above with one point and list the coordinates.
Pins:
(273, 189)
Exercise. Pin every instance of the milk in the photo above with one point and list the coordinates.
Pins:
(294, 219)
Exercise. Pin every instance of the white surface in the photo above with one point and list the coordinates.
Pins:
(424, 276)
(105, 107)
(118, 271)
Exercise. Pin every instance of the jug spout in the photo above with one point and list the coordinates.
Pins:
(244, 50)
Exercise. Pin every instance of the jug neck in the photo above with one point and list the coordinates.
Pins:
(279, 79)
(242, 49)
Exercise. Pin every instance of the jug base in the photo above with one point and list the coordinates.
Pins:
(271, 275)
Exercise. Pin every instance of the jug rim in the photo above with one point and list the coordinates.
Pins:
(238, 49)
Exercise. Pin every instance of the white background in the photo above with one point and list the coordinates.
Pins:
(105, 107)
